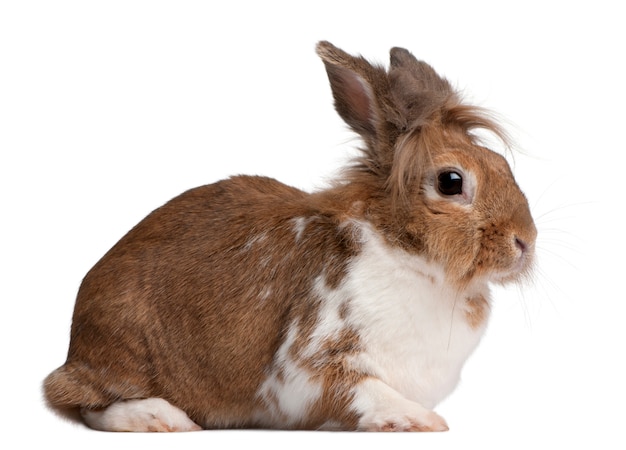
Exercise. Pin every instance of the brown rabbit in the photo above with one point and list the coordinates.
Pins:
(249, 303)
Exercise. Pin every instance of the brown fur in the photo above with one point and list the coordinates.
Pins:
(146, 354)
(477, 310)
(193, 303)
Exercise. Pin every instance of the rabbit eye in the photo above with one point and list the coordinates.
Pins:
(450, 183)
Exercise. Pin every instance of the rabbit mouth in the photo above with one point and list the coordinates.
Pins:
(520, 266)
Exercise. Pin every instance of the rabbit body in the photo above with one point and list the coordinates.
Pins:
(249, 303)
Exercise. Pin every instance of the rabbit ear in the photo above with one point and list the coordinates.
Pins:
(418, 92)
(417, 74)
(356, 86)
(416, 88)
(369, 98)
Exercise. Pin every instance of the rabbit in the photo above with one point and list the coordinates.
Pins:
(248, 303)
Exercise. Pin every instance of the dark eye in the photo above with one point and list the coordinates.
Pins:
(450, 183)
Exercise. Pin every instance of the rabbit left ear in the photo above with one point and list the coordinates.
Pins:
(356, 86)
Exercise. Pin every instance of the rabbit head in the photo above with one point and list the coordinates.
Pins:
(435, 190)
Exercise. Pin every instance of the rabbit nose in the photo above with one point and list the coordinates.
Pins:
(521, 244)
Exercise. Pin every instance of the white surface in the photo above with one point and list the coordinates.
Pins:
(108, 109)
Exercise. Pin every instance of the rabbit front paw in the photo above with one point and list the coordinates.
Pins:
(423, 421)
(382, 408)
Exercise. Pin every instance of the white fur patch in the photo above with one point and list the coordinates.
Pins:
(288, 392)
(299, 225)
(329, 322)
(411, 323)
(265, 293)
(255, 240)
(151, 414)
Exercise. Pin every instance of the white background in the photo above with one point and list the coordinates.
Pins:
(108, 109)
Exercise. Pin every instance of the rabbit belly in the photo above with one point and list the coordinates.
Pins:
(392, 320)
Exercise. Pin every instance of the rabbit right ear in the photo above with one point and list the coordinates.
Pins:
(359, 89)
